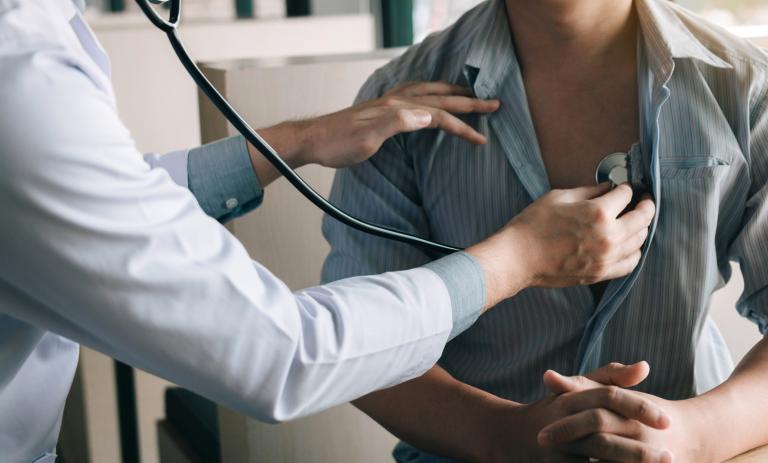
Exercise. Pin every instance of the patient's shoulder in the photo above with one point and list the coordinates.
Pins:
(440, 56)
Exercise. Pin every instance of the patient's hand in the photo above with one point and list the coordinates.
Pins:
(516, 428)
(607, 434)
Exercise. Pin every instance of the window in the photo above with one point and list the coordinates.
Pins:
(432, 15)
(730, 13)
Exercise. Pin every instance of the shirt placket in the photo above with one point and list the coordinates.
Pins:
(653, 93)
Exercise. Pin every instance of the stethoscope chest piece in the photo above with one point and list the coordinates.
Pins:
(614, 169)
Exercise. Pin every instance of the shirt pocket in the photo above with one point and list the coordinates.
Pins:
(692, 167)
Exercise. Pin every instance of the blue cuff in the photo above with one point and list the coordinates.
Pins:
(221, 177)
(465, 281)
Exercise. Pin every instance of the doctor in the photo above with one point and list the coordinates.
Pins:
(124, 253)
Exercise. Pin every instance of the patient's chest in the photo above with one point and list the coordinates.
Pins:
(577, 124)
(468, 192)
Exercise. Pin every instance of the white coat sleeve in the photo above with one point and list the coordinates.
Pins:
(115, 255)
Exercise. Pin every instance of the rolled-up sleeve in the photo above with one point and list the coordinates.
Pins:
(750, 248)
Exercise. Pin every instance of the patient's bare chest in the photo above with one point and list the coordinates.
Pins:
(577, 125)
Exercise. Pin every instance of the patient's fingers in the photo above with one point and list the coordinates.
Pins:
(585, 423)
(611, 374)
(429, 88)
(615, 201)
(626, 403)
(457, 104)
(610, 447)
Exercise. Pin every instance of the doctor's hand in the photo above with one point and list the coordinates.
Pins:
(352, 135)
(567, 237)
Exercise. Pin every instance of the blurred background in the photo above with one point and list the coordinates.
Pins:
(116, 414)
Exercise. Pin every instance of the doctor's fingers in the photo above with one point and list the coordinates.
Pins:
(412, 118)
(618, 269)
(627, 247)
(637, 219)
(453, 125)
(410, 89)
(612, 203)
(456, 104)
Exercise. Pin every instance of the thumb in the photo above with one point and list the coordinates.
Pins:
(614, 373)
(559, 384)
(621, 375)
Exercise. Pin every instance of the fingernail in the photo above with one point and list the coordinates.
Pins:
(544, 438)
(422, 117)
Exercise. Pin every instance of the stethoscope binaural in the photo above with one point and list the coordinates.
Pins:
(613, 168)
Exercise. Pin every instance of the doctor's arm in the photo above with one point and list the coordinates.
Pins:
(104, 250)
(228, 176)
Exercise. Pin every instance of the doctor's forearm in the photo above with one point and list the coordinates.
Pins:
(736, 410)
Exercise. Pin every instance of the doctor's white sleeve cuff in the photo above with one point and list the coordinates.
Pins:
(221, 177)
(465, 281)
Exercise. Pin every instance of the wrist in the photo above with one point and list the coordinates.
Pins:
(710, 431)
(504, 266)
(505, 423)
(290, 141)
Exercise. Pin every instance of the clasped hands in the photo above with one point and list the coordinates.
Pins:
(596, 418)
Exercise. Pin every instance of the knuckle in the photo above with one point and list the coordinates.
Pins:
(599, 420)
(604, 244)
(611, 394)
(389, 100)
(369, 145)
(615, 366)
(600, 216)
(644, 410)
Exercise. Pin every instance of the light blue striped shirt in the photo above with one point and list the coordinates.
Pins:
(705, 153)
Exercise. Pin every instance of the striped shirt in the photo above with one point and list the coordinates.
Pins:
(704, 145)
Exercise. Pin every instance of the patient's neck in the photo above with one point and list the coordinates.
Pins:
(577, 38)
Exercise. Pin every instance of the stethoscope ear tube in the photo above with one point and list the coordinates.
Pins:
(234, 118)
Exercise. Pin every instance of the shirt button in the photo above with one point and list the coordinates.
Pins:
(232, 203)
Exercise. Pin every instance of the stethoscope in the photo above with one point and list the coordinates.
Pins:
(613, 168)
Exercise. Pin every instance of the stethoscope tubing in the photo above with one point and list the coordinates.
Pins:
(170, 28)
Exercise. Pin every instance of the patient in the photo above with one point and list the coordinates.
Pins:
(578, 80)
